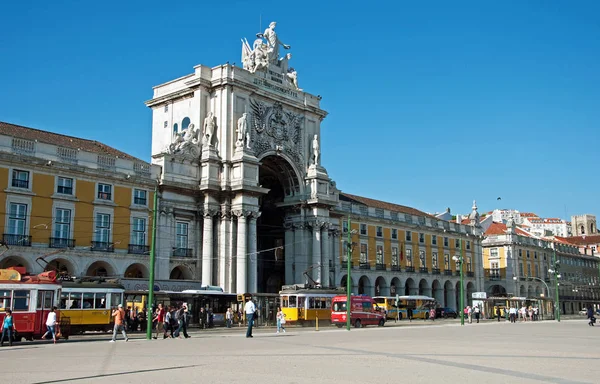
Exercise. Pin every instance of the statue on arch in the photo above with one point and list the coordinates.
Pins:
(273, 43)
(243, 135)
(316, 153)
(210, 123)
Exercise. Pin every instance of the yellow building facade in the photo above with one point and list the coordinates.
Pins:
(74, 205)
(399, 250)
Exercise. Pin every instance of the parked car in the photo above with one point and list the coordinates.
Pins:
(583, 312)
(445, 313)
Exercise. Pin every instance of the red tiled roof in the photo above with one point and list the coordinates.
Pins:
(383, 205)
(52, 138)
(496, 229)
(528, 214)
(522, 232)
(581, 240)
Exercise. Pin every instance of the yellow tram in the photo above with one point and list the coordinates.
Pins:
(88, 304)
(303, 304)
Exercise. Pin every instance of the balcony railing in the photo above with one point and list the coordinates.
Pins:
(458, 273)
(139, 201)
(138, 249)
(380, 267)
(183, 252)
(448, 272)
(396, 268)
(102, 246)
(22, 240)
(365, 266)
(410, 269)
(58, 242)
(18, 183)
(423, 270)
(345, 265)
(435, 271)
(470, 274)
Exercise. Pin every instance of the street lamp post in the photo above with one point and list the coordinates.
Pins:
(348, 281)
(459, 260)
(555, 271)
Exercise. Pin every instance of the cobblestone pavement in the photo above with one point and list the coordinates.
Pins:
(491, 352)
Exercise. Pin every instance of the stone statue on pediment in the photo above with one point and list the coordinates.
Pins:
(273, 43)
(210, 123)
(316, 153)
(243, 135)
(185, 140)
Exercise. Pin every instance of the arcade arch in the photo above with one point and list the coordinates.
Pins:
(137, 271)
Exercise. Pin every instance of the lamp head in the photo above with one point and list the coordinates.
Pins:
(455, 258)
(515, 278)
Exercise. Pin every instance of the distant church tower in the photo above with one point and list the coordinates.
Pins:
(584, 225)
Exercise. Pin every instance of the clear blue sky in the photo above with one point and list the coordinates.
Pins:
(431, 104)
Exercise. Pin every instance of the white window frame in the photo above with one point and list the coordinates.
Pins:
(366, 253)
(104, 211)
(58, 178)
(422, 258)
(18, 200)
(394, 234)
(408, 236)
(64, 205)
(379, 231)
(421, 238)
(187, 235)
(133, 191)
(379, 256)
(410, 262)
(29, 179)
(496, 255)
(395, 259)
(434, 260)
(97, 192)
(133, 231)
(360, 231)
(434, 240)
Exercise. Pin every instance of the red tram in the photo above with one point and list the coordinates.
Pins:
(30, 297)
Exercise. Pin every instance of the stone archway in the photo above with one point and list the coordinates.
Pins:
(523, 291)
(15, 261)
(424, 288)
(283, 182)
(137, 271)
(497, 291)
(100, 268)
(395, 287)
(364, 286)
(469, 292)
(343, 283)
(449, 297)
(438, 292)
(61, 266)
(180, 272)
(410, 287)
(381, 288)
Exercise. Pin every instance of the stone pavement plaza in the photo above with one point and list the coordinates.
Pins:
(445, 352)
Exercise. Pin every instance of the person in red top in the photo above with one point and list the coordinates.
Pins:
(160, 320)
(119, 315)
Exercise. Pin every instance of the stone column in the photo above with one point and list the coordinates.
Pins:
(326, 256)
(207, 248)
(316, 251)
(252, 255)
(289, 253)
(335, 257)
(241, 253)
(224, 238)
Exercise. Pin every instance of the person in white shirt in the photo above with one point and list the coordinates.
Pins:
(51, 324)
(512, 313)
(249, 308)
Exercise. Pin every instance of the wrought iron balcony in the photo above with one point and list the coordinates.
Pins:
(102, 246)
(448, 272)
(183, 252)
(380, 267)
(138, 249)
(435, 271)
(458, 273)
(58, 242)
(18, 183)
(365, 266)
(423, 270)
(410, 269)
(22, 240)
(396, 268)
(470, 274)
(345, 265)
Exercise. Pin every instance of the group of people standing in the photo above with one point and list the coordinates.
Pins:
(172, 321)
(471, 312)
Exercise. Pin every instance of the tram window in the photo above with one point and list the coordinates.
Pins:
(301, 302)
(285, 302)
(44, 299)
(74, 301)
(21, 301)
(292, 303)
(4, 300)
(64, 299)
(88, 300)
(311, 302)
(116, 299)
(328, 303)
(100, 300)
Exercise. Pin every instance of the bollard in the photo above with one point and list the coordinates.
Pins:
(317, 322)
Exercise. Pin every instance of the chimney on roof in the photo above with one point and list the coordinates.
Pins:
(448, 209)
(458, 219)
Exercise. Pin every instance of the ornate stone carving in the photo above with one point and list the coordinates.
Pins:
(277, 130)
(186, 142)
(209, 212)
(316, 153)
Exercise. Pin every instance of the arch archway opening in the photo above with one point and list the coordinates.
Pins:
(180, 272)
(381, 288)
(276, 174)
(410, 287)
(101, 269)
(395, 287)
(15, 261)
(364, 286)
(136, 271)
(438, 292)
(449, 295)
(61, 266)
(424, 288)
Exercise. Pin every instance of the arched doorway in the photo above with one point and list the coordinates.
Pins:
(100, 268)
(343, 283)
(438, 292)
(538, 291)
(381, 288)
(15, 261)
(410, 287)
(180, 272)
(364, 286)
(136, 271)
(523, 291)
(530, 291)
(497, 291)
(449, 295)
(395, 287)
(276, 174)
(424, 288)
(61, 266)
(470, 290)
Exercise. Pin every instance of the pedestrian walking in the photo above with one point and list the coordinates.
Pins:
(280, 320)
(477, 313)
(432, 314)
(470, 314)
(119, 315)
(409, 314)
(590, 315)
(498, 313)
(8, 328)
(179, 319)
(186, 320)
(228, 318)
(250, 310)
(51, 324)
(160, 320)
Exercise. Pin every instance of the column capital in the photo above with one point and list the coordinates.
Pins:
(245, 213)
(209, 212)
